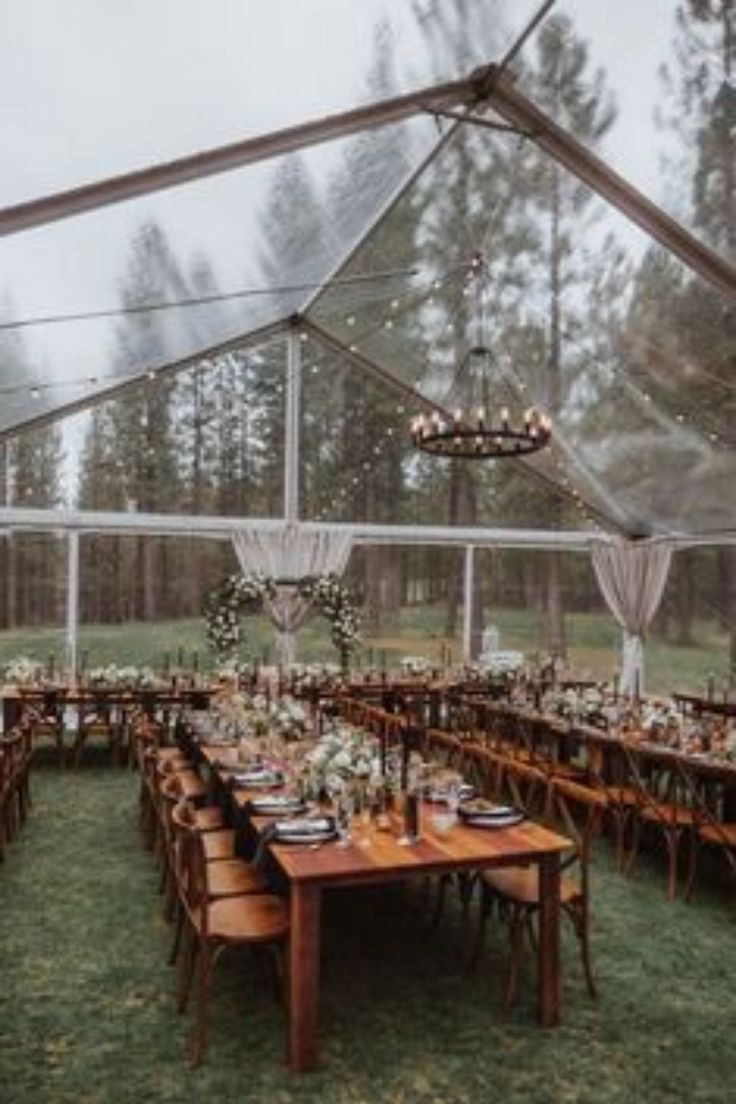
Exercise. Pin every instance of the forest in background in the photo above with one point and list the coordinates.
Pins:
(210, 439)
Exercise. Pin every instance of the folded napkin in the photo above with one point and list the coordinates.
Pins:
(284, 802)
(257, 778)
(317, 827)
(305, 826)
(438, 794)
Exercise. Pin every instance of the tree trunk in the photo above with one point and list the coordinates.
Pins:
(554, 602)
(556, 634)
(382, 584)
(463, 511)
(727, 571)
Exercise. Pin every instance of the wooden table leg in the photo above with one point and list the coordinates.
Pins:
(304, 953)
(549, 940)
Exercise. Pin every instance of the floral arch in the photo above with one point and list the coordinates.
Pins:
(238, 595)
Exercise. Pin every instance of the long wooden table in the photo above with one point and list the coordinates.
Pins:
(310, 872)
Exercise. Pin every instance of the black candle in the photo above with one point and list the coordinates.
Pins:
(411, 815)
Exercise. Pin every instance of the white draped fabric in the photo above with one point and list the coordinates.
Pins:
(632, 577)
(288, 555)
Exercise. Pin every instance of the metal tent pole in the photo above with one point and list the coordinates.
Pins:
(72, 601)
(468, 603)
(291, 426)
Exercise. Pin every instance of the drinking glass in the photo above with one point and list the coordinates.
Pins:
(366, 814)
(343, 820)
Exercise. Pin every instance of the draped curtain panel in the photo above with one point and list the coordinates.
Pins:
(632, 577)
(288, 555)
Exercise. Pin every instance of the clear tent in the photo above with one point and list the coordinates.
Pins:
(643, 422)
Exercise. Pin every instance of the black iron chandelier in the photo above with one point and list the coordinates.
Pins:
(474, 430)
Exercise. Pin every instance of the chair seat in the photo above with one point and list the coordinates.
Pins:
(232, 877)
(219, 845)
(622, 795)
(569, 770)
(258, 918)
(170, 754)
(48, 724)
(521, 884)
(724, 835)
(191, 785)
(579, 791)
(667, 814)
(209, 818)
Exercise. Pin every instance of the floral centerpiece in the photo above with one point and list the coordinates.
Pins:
(342, 756)
(314, 674)
(730, 742)
(497, 664)
(125, 678)
(658, 717)
(586, 704)
(289, 717)
(22, 671)
(241, 713)
(415, 665)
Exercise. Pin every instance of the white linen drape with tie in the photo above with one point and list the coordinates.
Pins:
(632, 577)
(288, 555)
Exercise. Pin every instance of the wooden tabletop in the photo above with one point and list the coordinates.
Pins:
(310, 870)
(462, 847)
(384, 856)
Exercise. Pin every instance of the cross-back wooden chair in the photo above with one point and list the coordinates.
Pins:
(708, 797)
(97, 717)
(227, 877)
(515, 893)
(664, 804)
(44, 720)
(211, 926)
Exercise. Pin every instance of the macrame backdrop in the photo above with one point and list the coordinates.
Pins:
(632, 577)
(288, 555)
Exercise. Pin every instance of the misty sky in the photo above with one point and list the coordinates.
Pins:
(93, 87)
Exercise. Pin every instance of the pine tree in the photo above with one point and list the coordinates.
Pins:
(701, 89)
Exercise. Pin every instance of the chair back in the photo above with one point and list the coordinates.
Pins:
(708, 797)
(190, 864)
(528, 787)
(658, 783)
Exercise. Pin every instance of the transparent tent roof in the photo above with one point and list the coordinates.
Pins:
(369, 238)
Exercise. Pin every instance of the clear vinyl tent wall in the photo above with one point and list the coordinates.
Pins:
(348, 275)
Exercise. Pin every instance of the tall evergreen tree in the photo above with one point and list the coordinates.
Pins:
(700, 87)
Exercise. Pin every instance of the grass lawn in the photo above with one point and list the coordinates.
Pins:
(593, 638)
(86, 997)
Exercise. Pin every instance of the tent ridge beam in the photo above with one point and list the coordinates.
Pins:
(249, 151)
(501, 93)
(116, 390)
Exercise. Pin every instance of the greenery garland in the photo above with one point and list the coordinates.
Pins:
(240, 594)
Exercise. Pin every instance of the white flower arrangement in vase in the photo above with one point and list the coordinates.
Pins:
(22, 671)
(342, 756)
(415, 665)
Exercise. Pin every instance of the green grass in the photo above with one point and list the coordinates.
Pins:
(594, 641)
(86, 997)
